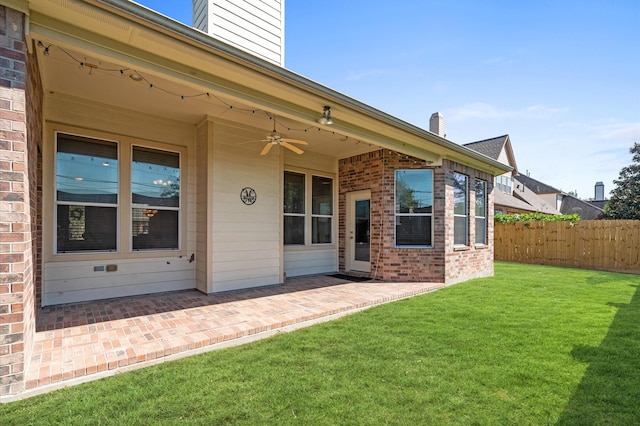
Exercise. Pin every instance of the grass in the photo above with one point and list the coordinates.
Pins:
(532, 345)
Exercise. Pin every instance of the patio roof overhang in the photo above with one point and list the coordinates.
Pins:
(186, 62)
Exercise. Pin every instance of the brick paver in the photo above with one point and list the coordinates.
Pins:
(84, 341)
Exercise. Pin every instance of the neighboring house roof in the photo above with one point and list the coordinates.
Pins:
(537, 186)
(524, 193)
(522, 198)
(502, 199)
(498, 148)
(573, 205)
(599, 204)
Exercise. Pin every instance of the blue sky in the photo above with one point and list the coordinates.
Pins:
(561, 77)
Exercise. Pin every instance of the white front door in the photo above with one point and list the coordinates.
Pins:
(358, 256)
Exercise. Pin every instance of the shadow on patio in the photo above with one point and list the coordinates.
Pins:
(82, 342)
(85, 313)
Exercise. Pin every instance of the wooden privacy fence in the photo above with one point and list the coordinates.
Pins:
(609, 245)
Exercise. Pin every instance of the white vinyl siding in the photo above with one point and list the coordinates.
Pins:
(308, 262)
(75, 277)
(71, 282)
(256, 26)
(245, 239)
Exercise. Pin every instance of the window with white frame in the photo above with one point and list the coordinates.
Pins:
(301, 220)
(481, 212)
(414, 208)
(86, 195)
(504, 183)
(460, 209)
(294, 208)
(321, 210)
(91, 201)
(155, 199)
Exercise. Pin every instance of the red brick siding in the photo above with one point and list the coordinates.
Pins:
(472, 261)
(20, 124)
(375, 171)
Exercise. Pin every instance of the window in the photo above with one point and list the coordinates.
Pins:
(296, 211)
(460, 209)
(414, 208)
(321, 209)
(504, 184)
(155, 199)
(91, 201)
(481, 212)
(86, 194)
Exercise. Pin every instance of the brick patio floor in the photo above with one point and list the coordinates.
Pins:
(82, 342)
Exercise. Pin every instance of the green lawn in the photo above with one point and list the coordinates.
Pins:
(533, 345)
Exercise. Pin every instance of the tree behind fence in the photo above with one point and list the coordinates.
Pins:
(609, 245)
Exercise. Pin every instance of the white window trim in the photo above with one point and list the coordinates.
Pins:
(57, 203)
(133, 205)
(308, 208)
(486, 210)
(466, 215)
(124, 214)
(397, 214)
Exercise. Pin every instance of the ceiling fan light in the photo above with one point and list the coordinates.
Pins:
(323, 120)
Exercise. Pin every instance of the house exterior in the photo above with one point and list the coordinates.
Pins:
(566, 203)
(517, 193)
(512, 194)
(131, 164)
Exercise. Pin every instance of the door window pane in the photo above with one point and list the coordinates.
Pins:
(363, 231)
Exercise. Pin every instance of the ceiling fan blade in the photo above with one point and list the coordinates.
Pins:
(298, 141)
(266, 149)
(291, 147)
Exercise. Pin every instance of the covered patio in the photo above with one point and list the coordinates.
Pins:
(81, 342)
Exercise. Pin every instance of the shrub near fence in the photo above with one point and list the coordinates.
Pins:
(609, 245)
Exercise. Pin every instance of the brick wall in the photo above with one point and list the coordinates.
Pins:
(443, 262)
(472, 261)
(18, 188)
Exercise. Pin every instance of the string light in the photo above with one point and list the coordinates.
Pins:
(138, 77)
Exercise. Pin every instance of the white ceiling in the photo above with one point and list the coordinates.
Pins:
(112, 84)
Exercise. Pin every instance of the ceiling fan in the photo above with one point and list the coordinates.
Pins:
(275, 138)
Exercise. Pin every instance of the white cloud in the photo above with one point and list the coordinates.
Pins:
(485, 111)
(619, 130)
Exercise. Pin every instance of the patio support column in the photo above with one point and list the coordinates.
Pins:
(20, 117)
